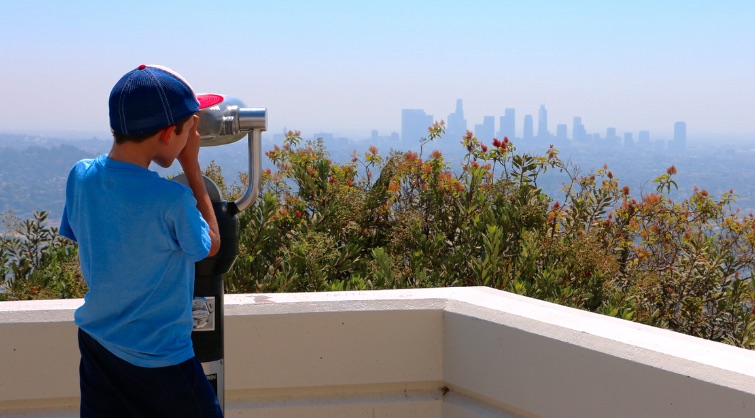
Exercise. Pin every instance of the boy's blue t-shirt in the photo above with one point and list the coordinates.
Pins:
(139, 236)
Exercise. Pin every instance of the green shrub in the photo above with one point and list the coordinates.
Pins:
(36, 262)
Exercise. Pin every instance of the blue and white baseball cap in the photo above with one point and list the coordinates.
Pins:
(150, 98)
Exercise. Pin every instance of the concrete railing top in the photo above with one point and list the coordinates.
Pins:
(578, 327)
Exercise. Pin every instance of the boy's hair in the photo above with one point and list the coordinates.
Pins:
(148, 99)
(121, 138)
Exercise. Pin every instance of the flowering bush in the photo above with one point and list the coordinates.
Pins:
(406, 219)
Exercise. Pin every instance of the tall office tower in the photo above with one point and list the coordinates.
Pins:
(644, 139)
(611, 137)
(680, 136)
(325, 136)
(507, 124)
(486, 130)
(457, 125)
(611, 133)
(628, 140)
(561, 132)
(578, 130)
(414, 124)
(528, 128)
(542, 123)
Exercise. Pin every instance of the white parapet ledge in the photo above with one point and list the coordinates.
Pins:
(443, 352)
(537, 358)
(630, 340)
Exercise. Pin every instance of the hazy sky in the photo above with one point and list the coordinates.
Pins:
(350, 66)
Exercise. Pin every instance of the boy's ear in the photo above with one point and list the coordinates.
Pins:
(166, 133)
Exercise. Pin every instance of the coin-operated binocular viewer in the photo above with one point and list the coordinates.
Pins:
(223, 120)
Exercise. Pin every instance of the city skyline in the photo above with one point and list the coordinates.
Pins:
(350, 67)
(414, 123)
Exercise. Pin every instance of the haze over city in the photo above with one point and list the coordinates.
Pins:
(351, 67)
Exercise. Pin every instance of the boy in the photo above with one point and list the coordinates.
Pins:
(139, 236)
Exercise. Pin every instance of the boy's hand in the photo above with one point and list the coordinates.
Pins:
(189, 160)
(189, 155)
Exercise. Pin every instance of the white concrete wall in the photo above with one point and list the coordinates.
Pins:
(552, 361)
(331, 354)
(38, 355)
(460, 352)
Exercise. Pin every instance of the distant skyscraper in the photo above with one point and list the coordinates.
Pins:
(578, 130)
(457, 125)
(508, 124)
(680, 132)
(612, 138)
(542, 123)
(528, 128)
(610, 133)
(485, 131)
(644, 139)
(414, 124)
(679, 143)
(325, 136)
(628, 140)
(561, 132)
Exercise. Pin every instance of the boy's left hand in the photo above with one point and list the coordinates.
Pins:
(189, 155)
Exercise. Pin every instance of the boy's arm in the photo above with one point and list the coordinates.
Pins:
(189, 160)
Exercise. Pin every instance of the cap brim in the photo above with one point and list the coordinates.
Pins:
(209, 100)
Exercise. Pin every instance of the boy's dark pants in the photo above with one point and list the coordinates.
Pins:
(112, 387)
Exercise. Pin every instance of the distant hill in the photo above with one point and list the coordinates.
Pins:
(33, 169)
(34, 178)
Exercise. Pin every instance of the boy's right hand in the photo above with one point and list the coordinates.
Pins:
(189, 160)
